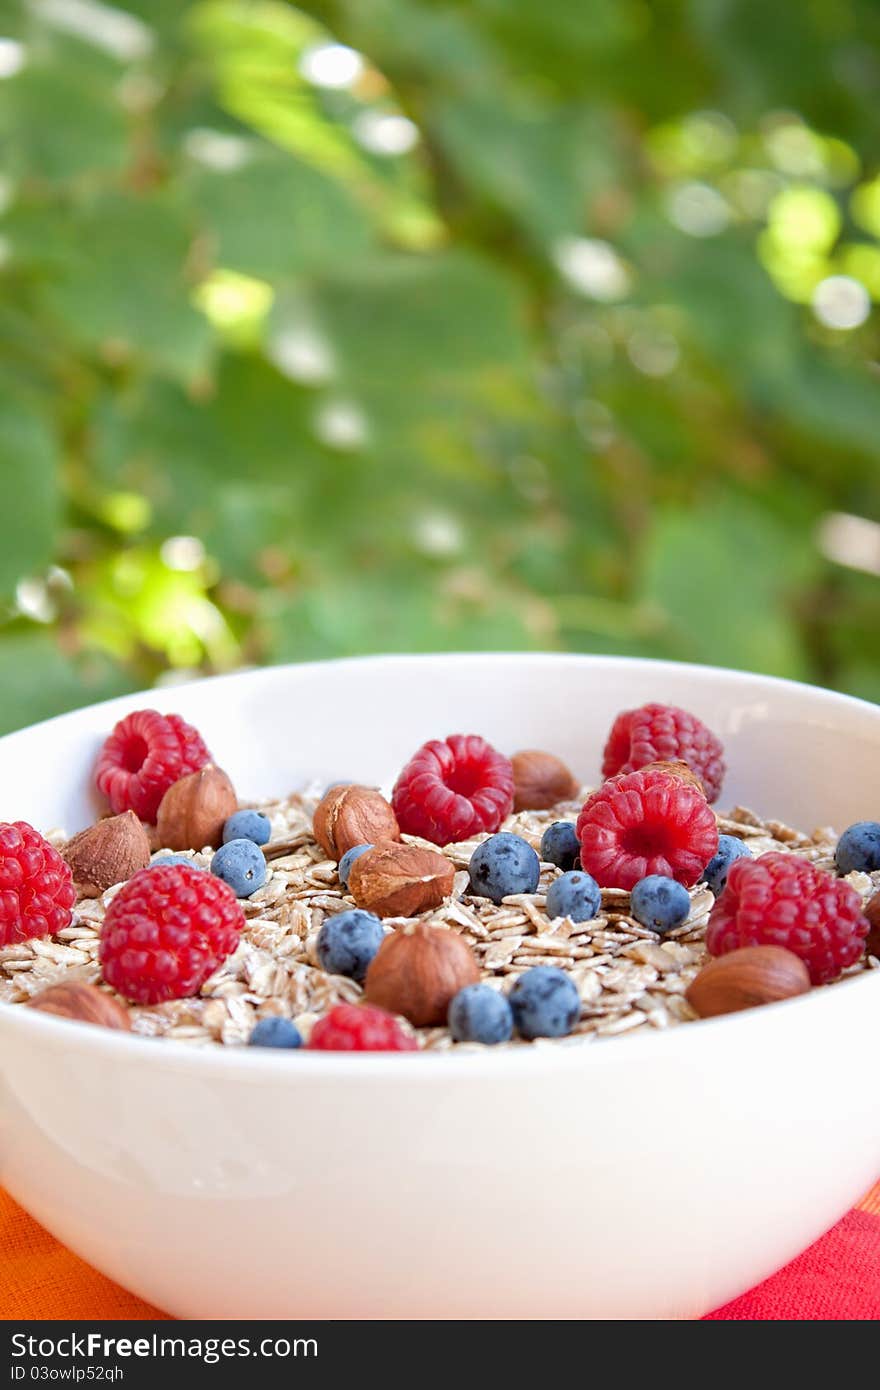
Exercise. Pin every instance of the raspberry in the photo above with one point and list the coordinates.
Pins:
(452, 789)
(664, 733)
(360, 1028)
(643, 823)
(147, 753)
(36, 886)
(166, 931)
(784, 900)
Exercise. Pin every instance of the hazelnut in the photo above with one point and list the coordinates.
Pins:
(396, 880)
(746, 978)
(353, 815)
(85, 1003)
(872, 912)
(540, 780)
(194, 810)
(106, 853)
(417, 970)
(676, 768)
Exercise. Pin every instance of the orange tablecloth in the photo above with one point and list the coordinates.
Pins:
(838, 1277)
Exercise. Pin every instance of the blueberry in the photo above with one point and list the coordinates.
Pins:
(575, 895)
(174, 859)
(240, 864)
(248, 825)
(545, 1003)
(275, 1032)
(560, 845)
(660, 903)
(859, 848)
(348, 941)
(348, 858)
(479, 1013)
(504, 864)
(715, 872)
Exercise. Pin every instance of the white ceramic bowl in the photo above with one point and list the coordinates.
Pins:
(652, 1176)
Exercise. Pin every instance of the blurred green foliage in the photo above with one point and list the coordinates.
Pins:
(391, 324)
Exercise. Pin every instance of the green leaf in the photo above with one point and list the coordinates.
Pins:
(276, 217)
(733, 311)
(39, 681)
(60, 120)
(251, 52)
(414, 319)
(539, 166)
(425, 349)
(832, 401)
(719, 576)
(384, 613)
(806, 58)
(29, 463)
(180, 452)
(123, 289)
(262, 419)
(862, 678)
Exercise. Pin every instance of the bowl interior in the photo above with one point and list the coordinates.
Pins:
(803, 755)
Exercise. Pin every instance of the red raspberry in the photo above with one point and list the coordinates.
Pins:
(166, 931)
(360, 1028)
(36, 886)
(145, 754)
(784, 900)
(452, 789)
(642, 823)
(664, 733)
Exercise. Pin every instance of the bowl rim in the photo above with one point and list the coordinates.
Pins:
(266, 1065)
(699, 672)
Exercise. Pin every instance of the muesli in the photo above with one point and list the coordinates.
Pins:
(489, 901)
